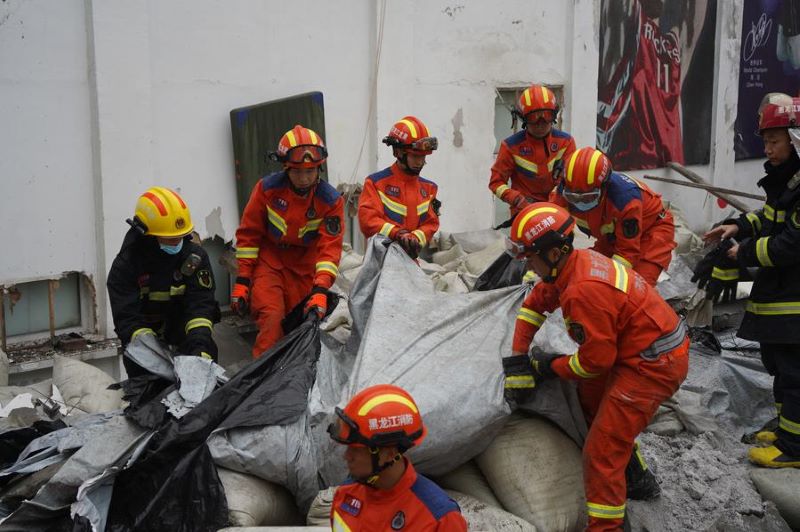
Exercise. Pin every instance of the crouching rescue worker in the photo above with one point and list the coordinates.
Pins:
(397, 202)
(769, 239)
(383, 491)
(289, 242)
(161, 283)
(533, 158)
(629, 220)
(632, 355)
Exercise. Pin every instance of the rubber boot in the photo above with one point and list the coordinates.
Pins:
(751, 437)
(772, 457)
(642, 484)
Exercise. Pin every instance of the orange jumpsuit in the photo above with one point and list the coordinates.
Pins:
(630, 224)
(393, 200)
(286, 244)
(529, 163)
(633, 354)
(414, 504)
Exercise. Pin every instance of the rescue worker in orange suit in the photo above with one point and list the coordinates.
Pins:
(627, 219)
(397, 202)
(384, 491)
(161, 283)
(633, 351)
(532, 159)
(290, 239)
(769, 239)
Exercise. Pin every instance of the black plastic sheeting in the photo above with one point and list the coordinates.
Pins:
(504, 271)
(174, 486)
(14, 440)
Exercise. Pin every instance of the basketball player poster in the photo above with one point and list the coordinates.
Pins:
(655, 81)
(770, 62)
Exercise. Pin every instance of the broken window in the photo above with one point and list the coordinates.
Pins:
(38, 310)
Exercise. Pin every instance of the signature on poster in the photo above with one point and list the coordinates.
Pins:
(757, 36)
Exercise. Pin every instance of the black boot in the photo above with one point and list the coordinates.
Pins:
(642, 484)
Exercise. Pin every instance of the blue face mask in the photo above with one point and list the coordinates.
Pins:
(171, 250)
(584, 206)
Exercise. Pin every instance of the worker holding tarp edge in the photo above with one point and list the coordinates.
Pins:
(633, 351)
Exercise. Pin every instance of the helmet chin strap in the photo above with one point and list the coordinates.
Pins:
(403, 159)
(551, 278)
(304, 190)
(377, 467)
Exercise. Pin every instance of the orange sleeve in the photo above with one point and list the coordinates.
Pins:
(331, 236)
(431, 223)
(370, 213)
(590, 314)
(502, 170)
(530, 317)
(252, 232)
(452, 522)
(628, 232)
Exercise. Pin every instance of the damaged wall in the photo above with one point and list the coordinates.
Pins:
(109, 98)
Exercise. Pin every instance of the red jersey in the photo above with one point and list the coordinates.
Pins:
(393, 200)
(287, 230)
(628, 213)
(638, 111)
(610, 312)
(531, 164)
(414, 504)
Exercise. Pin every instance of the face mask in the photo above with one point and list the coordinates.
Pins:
(171, 250)
(584, 206)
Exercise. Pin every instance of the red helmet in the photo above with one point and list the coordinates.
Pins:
(411, 134)
(778, 110)
(586, 171)
(300, 147)
(383, 415)
(540, 227)
(539, 100)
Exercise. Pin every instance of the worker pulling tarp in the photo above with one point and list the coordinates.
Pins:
(445, 349)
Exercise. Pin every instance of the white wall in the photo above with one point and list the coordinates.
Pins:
(46, 199)
(104, 98)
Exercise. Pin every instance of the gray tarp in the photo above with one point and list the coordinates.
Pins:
(445, 349)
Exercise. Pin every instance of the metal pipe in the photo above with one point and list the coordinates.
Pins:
(695, 178)
(51, 288)
(707, 188)
(3, 318)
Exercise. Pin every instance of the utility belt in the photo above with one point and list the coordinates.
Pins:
(665, 343)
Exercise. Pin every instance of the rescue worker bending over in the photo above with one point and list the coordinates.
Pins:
(628, 219)
(397, 202)
(533, 158)
(633, 351)
(290, 239)
(769, 239)
(161, 283)
(384, 492)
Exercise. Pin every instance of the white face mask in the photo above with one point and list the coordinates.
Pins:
(171, 250)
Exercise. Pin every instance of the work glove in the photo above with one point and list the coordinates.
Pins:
(541, 364)
(515, 200)
(240, 296)
(409, 242)
(519, 381)
(717, 274)
(317, 304)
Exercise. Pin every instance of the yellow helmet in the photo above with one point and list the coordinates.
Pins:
(163, 213)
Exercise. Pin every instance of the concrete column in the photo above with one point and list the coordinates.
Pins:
(580, 92)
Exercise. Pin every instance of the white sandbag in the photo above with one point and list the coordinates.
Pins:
(444, 257)
(349, 261)
(481, 516)
(339, 323)
(781, 486)
(3, 368)
(469, 480)
(319, 514)
(85, 386)
(450, 283)
(253, 501)
(345, 279)
(536, 472)
(429, 267)
(478, 262)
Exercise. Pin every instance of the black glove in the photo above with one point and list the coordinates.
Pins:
(410, 243)
(541, 363)
(717, 274)
(519, 382)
